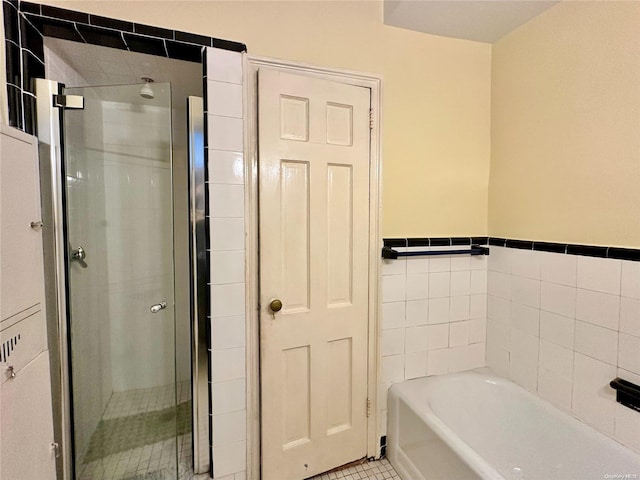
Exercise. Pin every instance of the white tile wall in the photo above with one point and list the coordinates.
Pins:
(564, 326)
(227, 222)
(433, 317)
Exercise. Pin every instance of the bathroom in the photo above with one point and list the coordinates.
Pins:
(523, 140)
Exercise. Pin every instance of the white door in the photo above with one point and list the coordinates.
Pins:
(314, 230)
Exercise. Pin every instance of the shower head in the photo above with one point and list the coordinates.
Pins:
(146, 91)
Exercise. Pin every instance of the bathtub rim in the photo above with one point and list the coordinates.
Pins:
(413, 393)
(466, 454)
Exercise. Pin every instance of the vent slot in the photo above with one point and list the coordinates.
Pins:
(8, 347)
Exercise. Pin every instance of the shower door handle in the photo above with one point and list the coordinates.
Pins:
(157, 307)
(79, 254)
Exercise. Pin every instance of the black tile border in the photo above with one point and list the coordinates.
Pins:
(521, 244)
(80, 19)
(433, 241)
(587, 250)
(154, 31)
(417, 242)
(62, 14)
(121, 25)
(624, 254)
(618, 253)
(26, 25)
(550, 247)
(455, 241)
(498, 242)
(479, 240)
(395, 242)
(207, 227)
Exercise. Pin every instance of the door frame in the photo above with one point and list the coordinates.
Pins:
(251, 64)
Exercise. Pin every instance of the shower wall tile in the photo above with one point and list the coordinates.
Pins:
(583, 332)
(227, 234)
(630, 316)
(394, 313)
(598, 308)
(230, 363)
(627, 426)
(392, 342)
(226, 200)
(555, 388)
(227, 267)
(229, 396)
(229, 459)
(227, 332)
(630, 284)
(558, 299)
(417, 286)
(394, 288)
(225, 133)
(226, 167)
(591, 402)
(596, 342)
(226, 194)
(477, 330)
(557, 329)
(229, 427)
(227, 300)
(629, 353)
(417, 312)
(415, 364)
(229, 99)
(228, 66)
(431, 322)
(561, 269)
(599, 274)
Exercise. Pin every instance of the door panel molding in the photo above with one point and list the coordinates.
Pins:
(251, 64)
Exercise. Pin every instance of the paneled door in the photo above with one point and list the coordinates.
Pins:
(314, 239)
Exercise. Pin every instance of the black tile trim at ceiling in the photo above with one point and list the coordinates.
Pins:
(98, 25)
(26, 25)
(617, 253)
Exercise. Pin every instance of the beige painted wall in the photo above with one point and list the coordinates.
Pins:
(565, 158)
(436, 93)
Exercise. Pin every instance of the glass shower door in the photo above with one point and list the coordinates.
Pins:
(119, 225)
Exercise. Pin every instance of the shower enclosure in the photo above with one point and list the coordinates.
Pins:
(126, 388)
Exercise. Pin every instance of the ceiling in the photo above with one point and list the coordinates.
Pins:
(99, 65)
(478, 20)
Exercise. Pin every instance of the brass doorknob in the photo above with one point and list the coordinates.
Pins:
(275, 305)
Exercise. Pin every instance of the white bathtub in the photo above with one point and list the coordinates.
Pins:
(474, 425)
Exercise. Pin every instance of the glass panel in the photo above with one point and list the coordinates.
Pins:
(118, 167)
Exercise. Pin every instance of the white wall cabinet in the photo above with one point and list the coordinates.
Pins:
(27, 428)
(21, 252)
(26, 422)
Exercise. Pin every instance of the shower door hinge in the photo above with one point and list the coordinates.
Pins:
(56, 449)
(371, 119)
(72, 102)
(368, 407)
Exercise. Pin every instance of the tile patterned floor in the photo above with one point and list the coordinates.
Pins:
(152, 461)
(157, 461)
(375, 470)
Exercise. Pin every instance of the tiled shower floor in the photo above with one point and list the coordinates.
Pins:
(152, 456)
(155, 460)
(376, 470)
